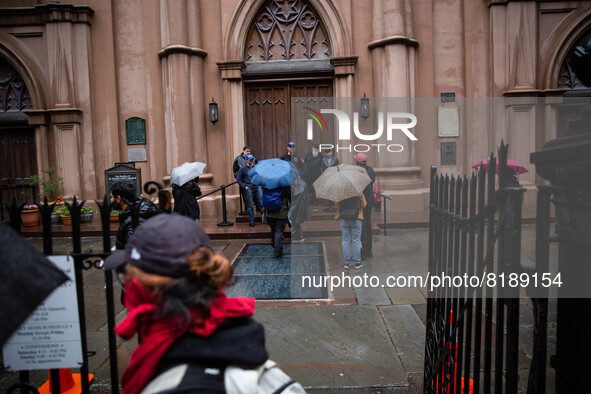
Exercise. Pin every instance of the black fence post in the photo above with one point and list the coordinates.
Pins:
(224, 222)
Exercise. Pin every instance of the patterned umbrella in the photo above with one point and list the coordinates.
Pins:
(341, 182)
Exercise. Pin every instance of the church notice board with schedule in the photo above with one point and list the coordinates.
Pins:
(50, 337)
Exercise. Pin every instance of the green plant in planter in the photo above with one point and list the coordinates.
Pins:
(114, 212)
(51, 188)
(64, 211)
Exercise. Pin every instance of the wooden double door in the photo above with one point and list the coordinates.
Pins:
(18, 161)
(269, 117)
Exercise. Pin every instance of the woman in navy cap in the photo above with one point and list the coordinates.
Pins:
(173, 282)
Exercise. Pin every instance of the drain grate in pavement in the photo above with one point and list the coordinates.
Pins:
(258, 274)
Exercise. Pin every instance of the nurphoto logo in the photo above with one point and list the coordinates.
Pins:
(395, 122)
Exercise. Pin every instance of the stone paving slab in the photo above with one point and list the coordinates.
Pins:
(332, 346)
(405, 327)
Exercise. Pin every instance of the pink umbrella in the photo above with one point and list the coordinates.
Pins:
(518, 169)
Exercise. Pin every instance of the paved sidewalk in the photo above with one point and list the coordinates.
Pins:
(363, 340)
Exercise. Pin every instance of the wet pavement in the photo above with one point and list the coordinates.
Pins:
(360, 339)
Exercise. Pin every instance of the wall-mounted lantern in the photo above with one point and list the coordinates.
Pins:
(364, 107)
(213, 111)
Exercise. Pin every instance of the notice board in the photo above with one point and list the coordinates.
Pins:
(50, 337)
(123, 172)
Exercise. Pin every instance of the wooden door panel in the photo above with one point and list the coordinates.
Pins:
(18, 161)
(268, 117)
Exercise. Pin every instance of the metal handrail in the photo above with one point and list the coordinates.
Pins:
(224, 222)
(385, 198)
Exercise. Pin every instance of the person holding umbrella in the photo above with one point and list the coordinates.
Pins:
(275, 177)
(185, 188)
(313, 162)
(344, 184)
(251, 191)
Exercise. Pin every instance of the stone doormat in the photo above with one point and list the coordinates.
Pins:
(260, 275)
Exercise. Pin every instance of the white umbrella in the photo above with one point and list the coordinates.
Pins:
(184, 173)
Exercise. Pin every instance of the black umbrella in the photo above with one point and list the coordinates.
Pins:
(28, 277)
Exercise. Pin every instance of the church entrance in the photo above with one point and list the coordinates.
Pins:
(268, 116)
(18, 150)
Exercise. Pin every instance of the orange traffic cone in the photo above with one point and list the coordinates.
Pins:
(69, 383)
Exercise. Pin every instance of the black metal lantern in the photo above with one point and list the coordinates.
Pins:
(213, 111)
(364, 107)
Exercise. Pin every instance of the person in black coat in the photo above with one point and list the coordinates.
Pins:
(313, 162)
(185, 198)
(123, 199)
(366, 231)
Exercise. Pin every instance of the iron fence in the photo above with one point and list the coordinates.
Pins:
(472, 332)
(83, 261)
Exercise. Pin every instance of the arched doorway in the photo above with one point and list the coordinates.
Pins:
(574, 84)
(18, 150)
(287, 54)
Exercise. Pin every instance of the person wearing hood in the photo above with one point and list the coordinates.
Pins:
(191, 331)
(185, 198)
(123, 199)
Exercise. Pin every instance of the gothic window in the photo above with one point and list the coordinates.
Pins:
(574, 72)
(287, 30)
(14, 95)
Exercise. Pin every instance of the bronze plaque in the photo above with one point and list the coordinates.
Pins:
(135, 130)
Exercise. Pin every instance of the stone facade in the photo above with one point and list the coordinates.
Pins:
(91, 65)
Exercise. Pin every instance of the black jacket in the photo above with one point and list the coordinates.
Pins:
(313, 166)
(237, 342)
(184, 200)
(368, 191)
(147, 209)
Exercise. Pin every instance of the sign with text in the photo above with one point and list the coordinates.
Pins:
(123, 172)
(50, 337)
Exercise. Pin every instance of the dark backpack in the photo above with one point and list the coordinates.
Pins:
(272, 198)
(349, 208)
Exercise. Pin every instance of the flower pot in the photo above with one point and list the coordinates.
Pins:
(31, 217)
(55, 218)
(86, 217)
(114, 218)
(67, 220)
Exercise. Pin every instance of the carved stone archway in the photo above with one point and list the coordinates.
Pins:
(234, 46)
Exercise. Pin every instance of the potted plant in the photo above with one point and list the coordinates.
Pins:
(50, 187)
(86, 213)
(65, 215)
(30, 215)
(114, 216)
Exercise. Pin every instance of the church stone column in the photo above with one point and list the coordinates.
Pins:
(393, 55)
(182, 75)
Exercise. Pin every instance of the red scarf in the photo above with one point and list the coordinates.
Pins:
(158, 335)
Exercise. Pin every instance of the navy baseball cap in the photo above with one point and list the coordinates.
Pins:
(291, 143)
(249, 157)
(161, 245)
(315, 145)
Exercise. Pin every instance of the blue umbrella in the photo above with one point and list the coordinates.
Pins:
(273, 173)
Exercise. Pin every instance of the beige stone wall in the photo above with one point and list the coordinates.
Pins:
(163, 61)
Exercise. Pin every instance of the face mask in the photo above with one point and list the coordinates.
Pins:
(315, 153)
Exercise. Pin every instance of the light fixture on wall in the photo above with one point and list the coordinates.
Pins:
(213, 111)
(364, 107)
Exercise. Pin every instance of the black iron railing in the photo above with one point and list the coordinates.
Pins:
(461, 340)
(83, 261)
(222, 188)
(384, 209)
